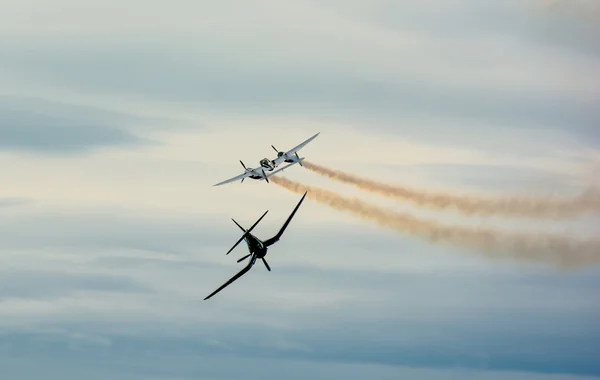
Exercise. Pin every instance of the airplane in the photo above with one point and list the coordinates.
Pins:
(257, 248)
(291, 157)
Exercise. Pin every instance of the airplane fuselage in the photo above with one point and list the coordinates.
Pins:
(270, 165)
(256, 246)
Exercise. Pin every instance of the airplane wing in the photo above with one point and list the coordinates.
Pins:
(238, 275)
(279, 160)
(280, 169)
(247, 174)
(276, 238)
(236, 178)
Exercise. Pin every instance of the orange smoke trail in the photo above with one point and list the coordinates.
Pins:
(558, 250)
(469, 204)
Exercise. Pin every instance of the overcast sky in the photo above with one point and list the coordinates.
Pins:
(117, 117)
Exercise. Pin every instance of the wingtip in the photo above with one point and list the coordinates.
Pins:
(303, 196)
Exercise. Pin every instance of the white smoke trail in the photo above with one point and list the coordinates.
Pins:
(559, 250)
(533, 207)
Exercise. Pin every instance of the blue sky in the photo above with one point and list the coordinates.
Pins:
(116, 118)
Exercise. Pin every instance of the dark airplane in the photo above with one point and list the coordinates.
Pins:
(256, 247)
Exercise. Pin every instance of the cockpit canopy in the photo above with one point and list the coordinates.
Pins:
(266, 163)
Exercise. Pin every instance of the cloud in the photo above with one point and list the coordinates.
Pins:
(530, 22)
(36, 284)
(117, 250)
(137, 360)
(14, 201)
(103, 276)
(190, 77)
(46, 127)
(444, 349)
(483, 79)
(149, 268)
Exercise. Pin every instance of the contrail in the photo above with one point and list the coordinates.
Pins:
(533, 207)
(558, 250)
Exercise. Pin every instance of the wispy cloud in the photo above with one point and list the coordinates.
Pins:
(14, 201)
(486, 82)
(31, 126)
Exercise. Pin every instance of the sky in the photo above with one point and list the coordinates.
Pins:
(116, 118)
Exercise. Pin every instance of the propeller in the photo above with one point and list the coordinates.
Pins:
(238, 242)
(299, 160)
(245, 168)
(246, 233)
(267, 265)
(264, 175)
(279, 154)
(245, 257)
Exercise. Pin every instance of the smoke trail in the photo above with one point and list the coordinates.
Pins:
(558, 250)
(548, 207)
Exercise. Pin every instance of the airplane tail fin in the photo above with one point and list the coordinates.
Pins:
(276, 238)
(246, 232)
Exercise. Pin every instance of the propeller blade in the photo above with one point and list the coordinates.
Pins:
(259, 219)
(267, 265)
(238, 242)
(245, 257)
(246, 232)
(237, 224)
(274, 148)
(243, 180)
(243, 165)
(265, 176)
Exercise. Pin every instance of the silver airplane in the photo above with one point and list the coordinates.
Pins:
(257, 247)
(267, 166)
